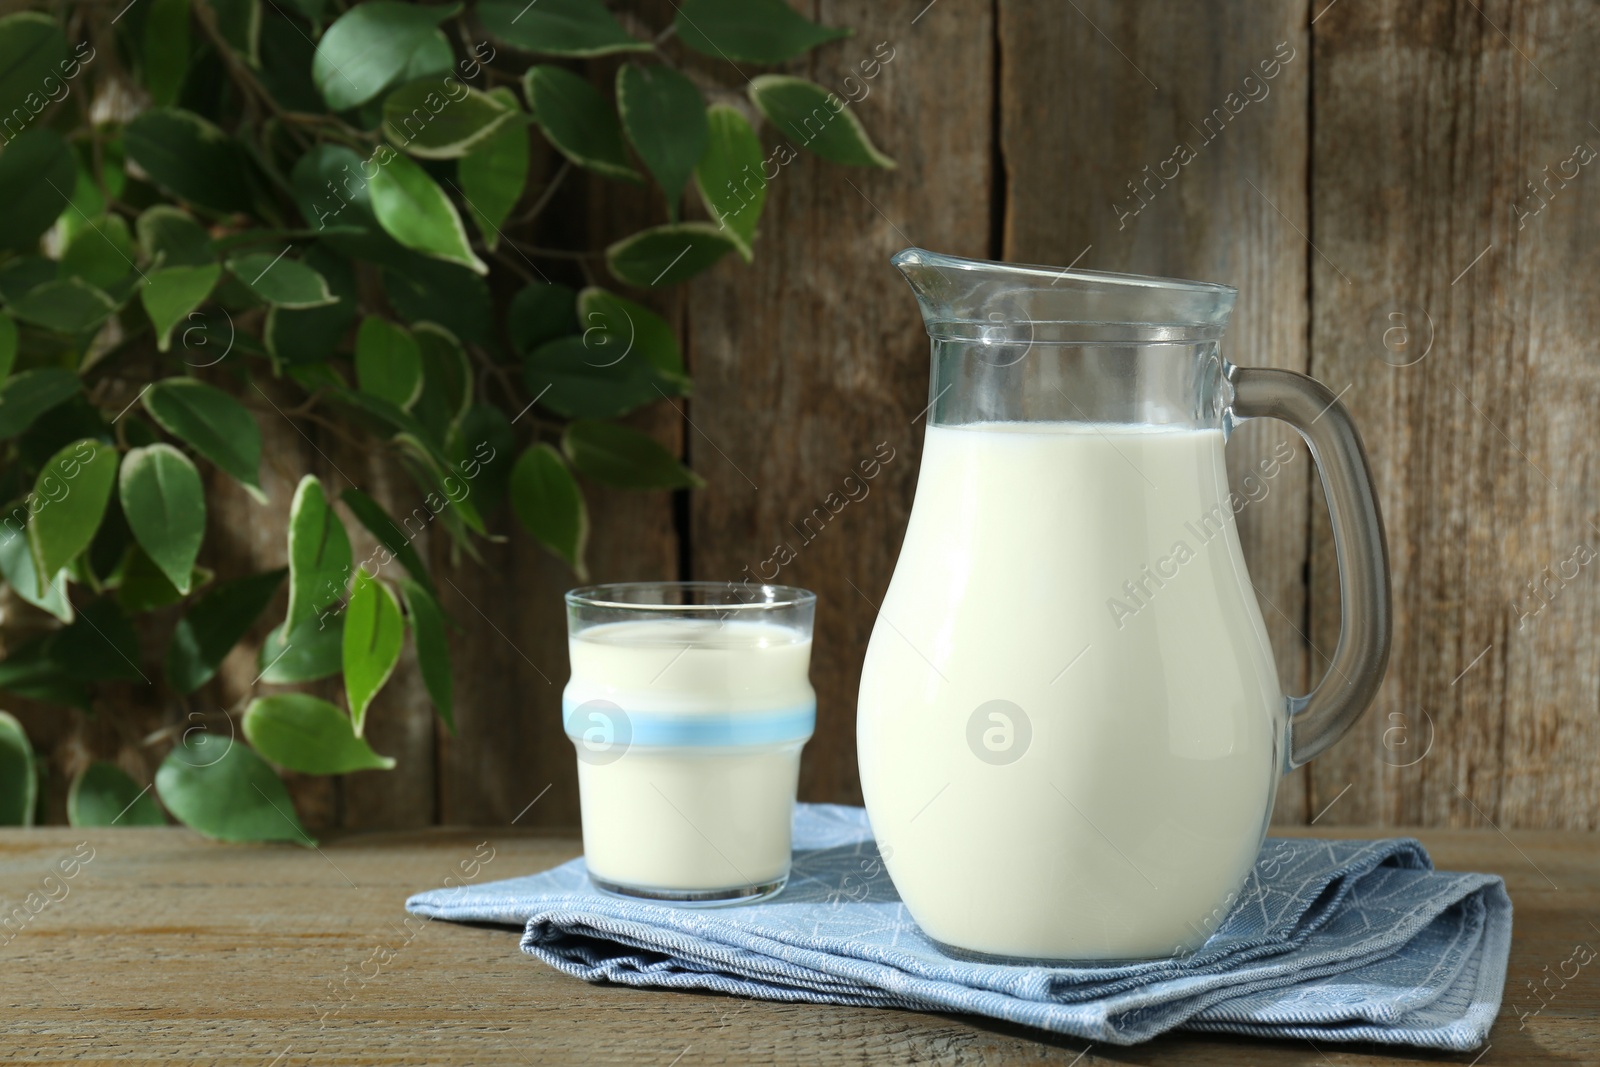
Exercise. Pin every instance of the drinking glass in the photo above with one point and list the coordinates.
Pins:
(688, 706)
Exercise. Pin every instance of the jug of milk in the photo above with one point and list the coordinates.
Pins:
(1070, 728)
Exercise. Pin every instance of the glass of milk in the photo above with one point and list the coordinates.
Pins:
(688, 705)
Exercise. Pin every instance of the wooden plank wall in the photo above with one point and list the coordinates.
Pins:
(1435, 124)
(1366, 167)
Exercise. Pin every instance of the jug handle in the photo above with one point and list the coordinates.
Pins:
(1322, 716)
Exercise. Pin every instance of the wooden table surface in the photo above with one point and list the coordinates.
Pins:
(163, 947)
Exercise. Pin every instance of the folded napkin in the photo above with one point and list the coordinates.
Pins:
(1331, 941)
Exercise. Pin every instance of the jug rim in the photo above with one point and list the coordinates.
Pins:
(992, 303)
(914, 254)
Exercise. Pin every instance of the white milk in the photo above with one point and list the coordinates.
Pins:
(698, 817)
(1137, 807)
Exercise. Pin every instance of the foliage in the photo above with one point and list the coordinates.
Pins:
(219, 210)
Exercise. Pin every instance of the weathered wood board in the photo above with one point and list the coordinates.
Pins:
(167, 949)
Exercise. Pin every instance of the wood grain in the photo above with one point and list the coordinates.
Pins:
(1432, 120)
(1095, 176)
(813, 357)
(168, 949)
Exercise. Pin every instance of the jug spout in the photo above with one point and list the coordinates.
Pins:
(1007, 302)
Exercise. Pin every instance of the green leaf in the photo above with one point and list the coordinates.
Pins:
(170, 296)
(577, 28)
(22, 273)
(433, 648)
(397, 420)
(218, 426)
(388, 361)
(311, 335)
(331, 191)
(172, 237)
(8, 345)
(481, 450)
(370, 46)
(86, 202)
(550, 506)
(752, 31)
(30, 672)
(16, 563)
(665, 121)
(432, 57)
(302, 733)
(732, 185)
(625, 459)
(105, 561)
(101, 254)
(430, 121)
(623, 328)
(64, 425)
(314, 376)
(314, 651)
(571, 379)
(231, 797)
(166, 49)
(103, 795)
(817, 119)
(165, 505)
(373, 634)
(37, 175)
(76, 484)
(415, 212)
(444, 494)
(447, 382)
(285, 58)
(319, 555)
(19, 780)
(394, 541)
(431, 290)
(31, 46)
(65, 306)
(667, 255)
(216, 622)
(494, 172)
(578, 121)
(31, 394)
(190, 158)
(239, 23)
(101, 645)
(144, 588)
(538, 313)
(282, 281)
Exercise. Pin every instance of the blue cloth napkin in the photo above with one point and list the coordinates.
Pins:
(1331, 941)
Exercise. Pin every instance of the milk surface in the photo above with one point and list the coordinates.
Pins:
(1089, 579)
(678, 817)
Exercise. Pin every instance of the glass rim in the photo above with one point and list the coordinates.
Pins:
(615, 595)
(1034, 272)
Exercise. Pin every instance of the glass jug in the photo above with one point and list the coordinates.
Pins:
(1070, 727)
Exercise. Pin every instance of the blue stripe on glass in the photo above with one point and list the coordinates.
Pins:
(605, 723)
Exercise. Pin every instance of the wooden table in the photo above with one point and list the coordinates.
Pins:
(163, 947)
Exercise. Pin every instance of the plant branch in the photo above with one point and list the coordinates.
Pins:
(556, 253)
(498, 372)
(545, 196)
(242, 74)
(512, 265)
